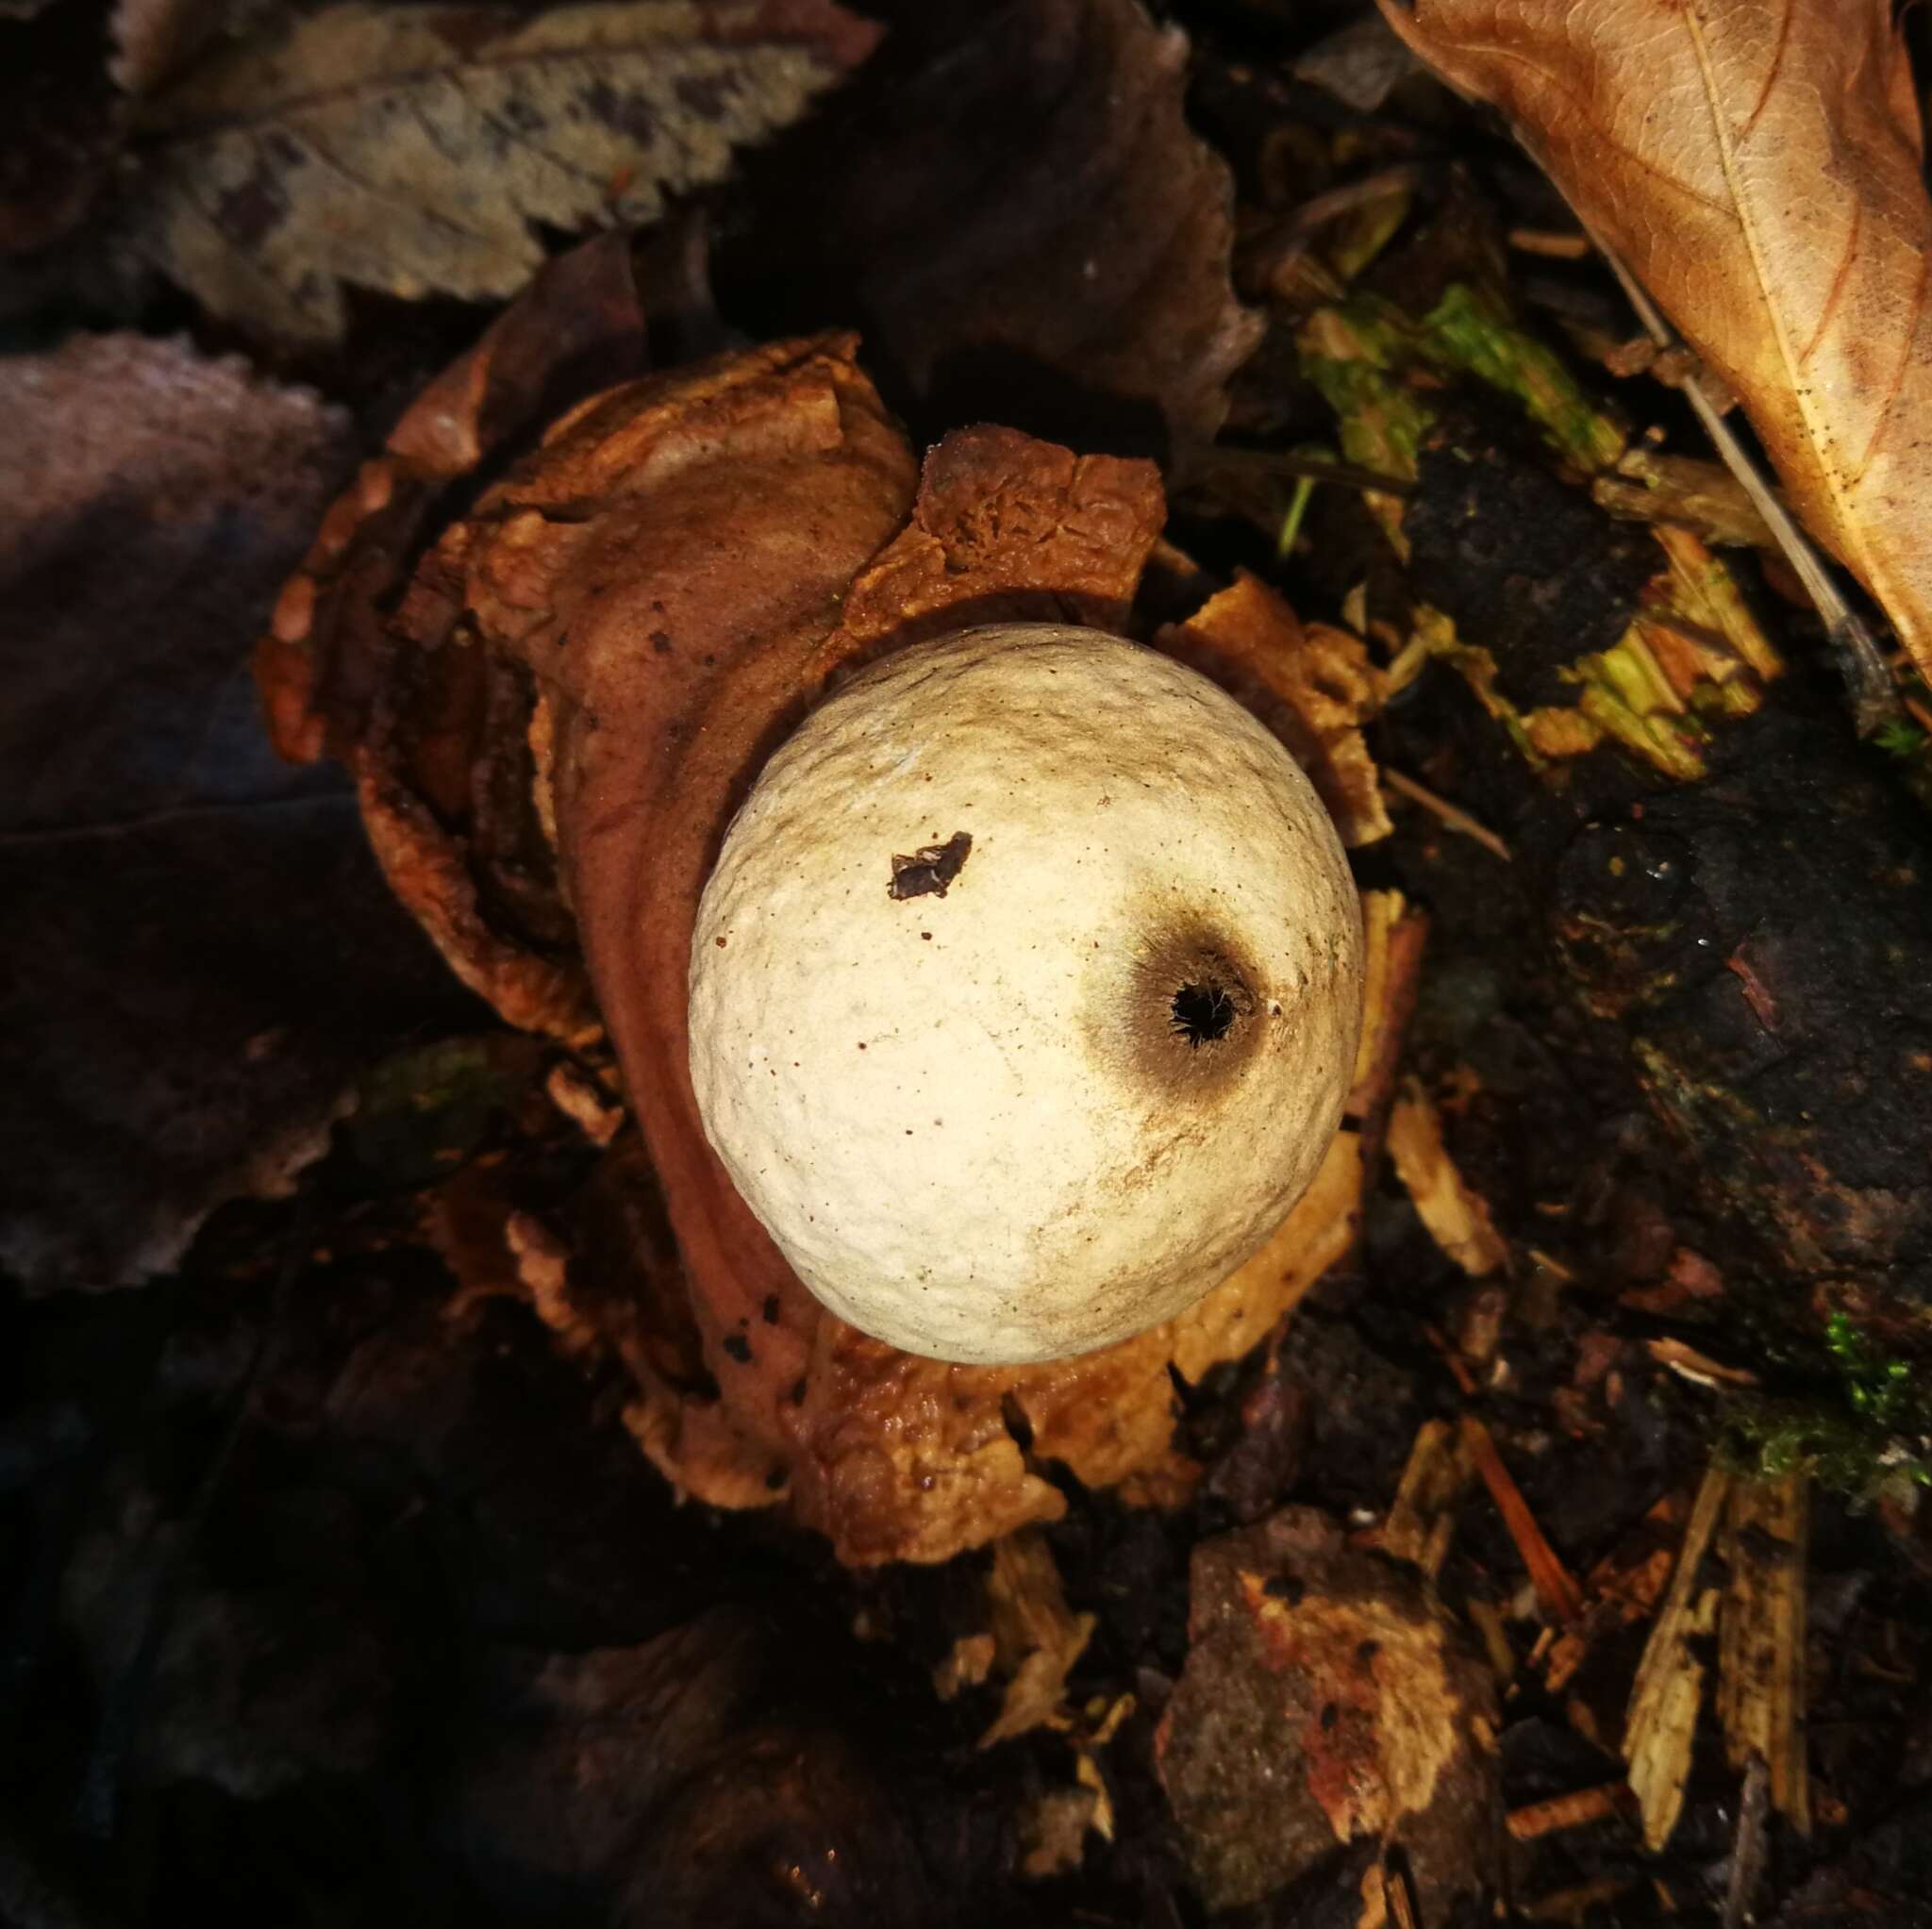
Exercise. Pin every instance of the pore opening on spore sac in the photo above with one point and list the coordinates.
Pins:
(1202, 1012)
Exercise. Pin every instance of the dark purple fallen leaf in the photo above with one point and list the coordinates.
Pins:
(199, 955)
(1029, 228)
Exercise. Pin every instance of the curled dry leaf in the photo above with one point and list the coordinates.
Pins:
(549, 736)
(1313, 685)
(179, 1022)
(414, 150)
(1756, 164)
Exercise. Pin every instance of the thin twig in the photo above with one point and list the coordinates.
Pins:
(1747, 1845)
(1574, 1810)
(1561, 1599)
(1868, 684)
(1551, 244)
(1455, 820)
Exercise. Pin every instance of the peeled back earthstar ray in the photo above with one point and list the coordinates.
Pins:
(736, 513)
(1054, 1089)
(552, 727)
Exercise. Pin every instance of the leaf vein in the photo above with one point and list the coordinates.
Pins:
(1908, 341)
(1557, 84)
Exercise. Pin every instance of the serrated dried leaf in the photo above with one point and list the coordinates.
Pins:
(416, 150)
(1756, 164)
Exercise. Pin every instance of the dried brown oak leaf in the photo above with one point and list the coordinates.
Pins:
(1326, 1698)
(416, 150)
(550, 734)
(198, 958)
(1757, 163)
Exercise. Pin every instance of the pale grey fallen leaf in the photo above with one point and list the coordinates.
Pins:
(1362, 65)
(414, 150)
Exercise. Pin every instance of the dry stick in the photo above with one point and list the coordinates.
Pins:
(1396, 1899)
(1561, 1599)
(1454, 819)
(1567, 1811)
(1874, 698)
(1747, 1846)
(1667, 1696)
(1552, 244)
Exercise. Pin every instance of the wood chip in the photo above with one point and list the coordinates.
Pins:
(1456, 1217)
(1558, 1593)
(1760, 1691)
(1662, 1725)
(1422, 1517)
(1576, 1810)
(1621, 1589)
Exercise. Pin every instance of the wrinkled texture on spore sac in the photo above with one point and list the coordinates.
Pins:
(1757, 163)
(974, 1127)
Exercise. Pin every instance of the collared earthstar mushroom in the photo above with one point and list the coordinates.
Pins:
(1025, 992)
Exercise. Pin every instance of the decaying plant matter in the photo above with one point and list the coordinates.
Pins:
(1758, 164)
(550, 735)
(1734, 886)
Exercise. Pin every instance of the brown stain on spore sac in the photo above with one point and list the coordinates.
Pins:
(1143, 1020)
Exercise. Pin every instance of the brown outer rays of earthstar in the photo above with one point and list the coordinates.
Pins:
(1049, 1081)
